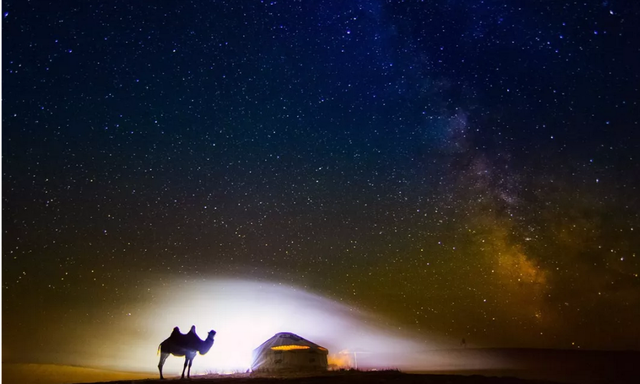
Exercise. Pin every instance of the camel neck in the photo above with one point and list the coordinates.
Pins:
(206, 345)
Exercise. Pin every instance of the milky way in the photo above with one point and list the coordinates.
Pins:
(461, 169)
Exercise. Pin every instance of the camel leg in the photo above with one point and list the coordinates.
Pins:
(186, 361)
(189, 371)
(163, 358)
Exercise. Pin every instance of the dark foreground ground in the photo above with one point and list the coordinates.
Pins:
(459, 366)
(347, 377)
(589, 375)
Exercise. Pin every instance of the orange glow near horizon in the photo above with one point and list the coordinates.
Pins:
(341, 360)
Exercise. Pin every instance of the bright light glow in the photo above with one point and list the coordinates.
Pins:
(289, 347)
(245, 314)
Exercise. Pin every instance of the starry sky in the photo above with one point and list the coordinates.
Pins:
(460, 168)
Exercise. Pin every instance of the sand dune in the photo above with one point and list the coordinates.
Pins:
(60, 374)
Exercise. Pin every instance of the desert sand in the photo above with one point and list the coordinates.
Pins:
(59, 374)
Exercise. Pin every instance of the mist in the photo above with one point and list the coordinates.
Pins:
(245, 314)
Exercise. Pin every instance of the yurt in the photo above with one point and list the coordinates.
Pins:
(289, 352)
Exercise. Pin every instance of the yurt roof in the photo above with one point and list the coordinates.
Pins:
(287, 341)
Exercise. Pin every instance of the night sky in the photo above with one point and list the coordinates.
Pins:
(459, 168)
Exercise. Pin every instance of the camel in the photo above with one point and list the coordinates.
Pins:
(187, 345)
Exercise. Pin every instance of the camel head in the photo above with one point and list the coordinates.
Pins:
(205, 346)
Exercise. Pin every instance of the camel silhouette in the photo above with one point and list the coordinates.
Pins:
(187, 345)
